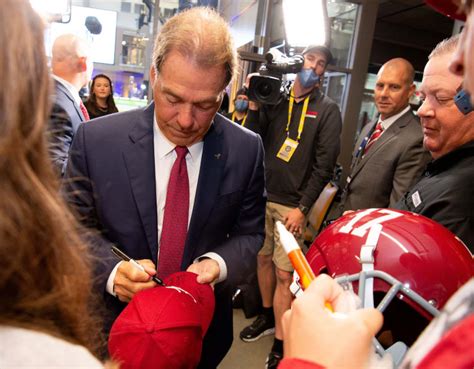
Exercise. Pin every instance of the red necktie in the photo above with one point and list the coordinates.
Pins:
(175, 219)
(84, 111)
(374, 136)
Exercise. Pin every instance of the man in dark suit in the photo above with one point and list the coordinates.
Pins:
(72, 68)
(121, 176)
(389, 155)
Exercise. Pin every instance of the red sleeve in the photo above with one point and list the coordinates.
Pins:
(293, 363)
(454, 350)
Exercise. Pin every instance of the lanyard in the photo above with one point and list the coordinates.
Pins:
(303, 116)
(243, 122)
(363, 144)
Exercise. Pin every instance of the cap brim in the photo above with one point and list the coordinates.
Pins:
(163, 327)
(319, 48)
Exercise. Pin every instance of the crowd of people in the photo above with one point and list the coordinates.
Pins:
(189, 200)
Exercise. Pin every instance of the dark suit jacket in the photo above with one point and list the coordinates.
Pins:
(65, 118)
(393, 163)
(112, 169)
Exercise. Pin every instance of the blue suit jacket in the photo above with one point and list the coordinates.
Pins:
(65, 118)
(111, 182)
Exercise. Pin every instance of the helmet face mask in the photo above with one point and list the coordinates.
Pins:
(394, 258)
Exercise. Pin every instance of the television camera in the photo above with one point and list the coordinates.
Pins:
(266, 88)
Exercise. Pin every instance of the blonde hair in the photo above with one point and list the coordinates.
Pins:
(200, 34)
(45, 273)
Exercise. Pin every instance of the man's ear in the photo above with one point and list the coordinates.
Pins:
(153, 74)
(82, 63)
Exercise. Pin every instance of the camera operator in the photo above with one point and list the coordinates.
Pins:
(301, 138)
(241, 104)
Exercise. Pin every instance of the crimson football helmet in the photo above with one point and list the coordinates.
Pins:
(394, 257)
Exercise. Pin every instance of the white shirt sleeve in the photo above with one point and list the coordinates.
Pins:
(110, 281)
(220, 261)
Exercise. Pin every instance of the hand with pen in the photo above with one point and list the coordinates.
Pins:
(129, 279)
(133, 276)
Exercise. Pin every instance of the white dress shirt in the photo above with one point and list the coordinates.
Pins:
(389, 121)
(165, 156)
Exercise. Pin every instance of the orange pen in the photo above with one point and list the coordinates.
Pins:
(297, 258)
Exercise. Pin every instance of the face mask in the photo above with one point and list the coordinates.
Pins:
(241, 105)
(308, 78)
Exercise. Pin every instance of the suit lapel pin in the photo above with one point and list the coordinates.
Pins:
(217, 156)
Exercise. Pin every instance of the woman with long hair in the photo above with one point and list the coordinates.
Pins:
(45, 274)
(101, 99)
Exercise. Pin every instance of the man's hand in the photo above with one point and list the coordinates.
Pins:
(252, 104)
(294, 221)
(129, 279)
(333, 340)
(207, 270)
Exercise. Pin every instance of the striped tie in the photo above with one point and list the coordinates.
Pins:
(374, 136)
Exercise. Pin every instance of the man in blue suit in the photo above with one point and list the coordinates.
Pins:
(71, 64)
(119, 168)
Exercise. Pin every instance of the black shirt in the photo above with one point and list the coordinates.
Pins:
(300, 180)
(95, 111)
(445, 193)
(237, 121)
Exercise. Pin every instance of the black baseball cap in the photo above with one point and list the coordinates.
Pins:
(241, 91)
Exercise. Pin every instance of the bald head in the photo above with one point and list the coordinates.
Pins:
(69, 46)
(402, 66)
(394, 87)
(71, 60)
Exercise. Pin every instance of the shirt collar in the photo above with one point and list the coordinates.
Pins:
(451, 158)
(389, 121)
(165, 147)
(70, 87)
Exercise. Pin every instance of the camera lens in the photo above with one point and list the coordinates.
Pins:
(264, 90)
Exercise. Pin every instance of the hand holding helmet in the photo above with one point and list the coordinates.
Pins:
(314, 333)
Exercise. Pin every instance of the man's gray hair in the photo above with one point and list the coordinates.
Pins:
(200, 34)
(447, 46)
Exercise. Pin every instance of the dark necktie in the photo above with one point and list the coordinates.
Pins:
(175, 219)
(374, 136)
(84, 111)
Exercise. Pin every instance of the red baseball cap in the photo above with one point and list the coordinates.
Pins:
(163, 327)
(448, 8)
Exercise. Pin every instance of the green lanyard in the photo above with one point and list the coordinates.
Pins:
(302, 118)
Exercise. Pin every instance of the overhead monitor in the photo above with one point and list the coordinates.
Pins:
(97, 26)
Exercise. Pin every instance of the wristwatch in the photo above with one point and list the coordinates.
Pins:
(303, 209)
